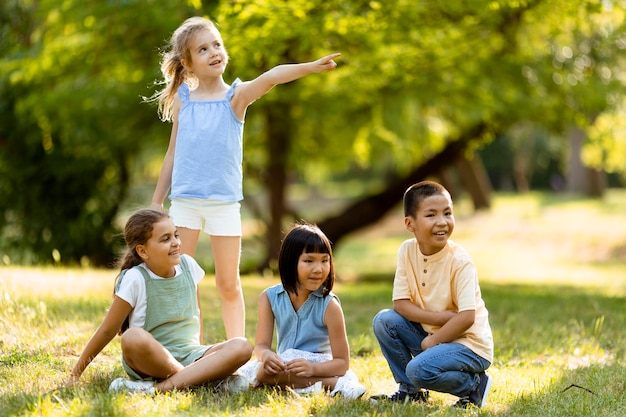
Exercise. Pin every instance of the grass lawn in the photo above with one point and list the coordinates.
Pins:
(553, 276)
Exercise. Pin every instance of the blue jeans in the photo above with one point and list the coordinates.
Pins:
(449, 367)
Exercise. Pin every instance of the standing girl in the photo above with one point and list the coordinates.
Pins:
(155, 306)
(203, 162)
(312, 341)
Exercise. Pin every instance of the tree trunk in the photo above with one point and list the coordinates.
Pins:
(580, 178)
(370, 209)
(475, 181)
(278, 147)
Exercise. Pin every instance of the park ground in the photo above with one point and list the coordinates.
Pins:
(553, 276)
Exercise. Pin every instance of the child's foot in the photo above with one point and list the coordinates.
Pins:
(232, 384)
(123, 384)
(310, 390)
(478, 397)
(403, 396)
(349, 386)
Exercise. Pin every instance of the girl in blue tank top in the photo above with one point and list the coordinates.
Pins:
(203, 162)
(312, 347)
(156, 311)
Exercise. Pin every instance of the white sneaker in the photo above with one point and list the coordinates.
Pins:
(310, 390)
(123, 384)
(232, 384)
(349, 386)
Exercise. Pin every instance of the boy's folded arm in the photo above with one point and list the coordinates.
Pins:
(409, 310)
(454, 328)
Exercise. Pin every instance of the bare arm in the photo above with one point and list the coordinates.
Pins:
(412, 312)
(200, 314)
(109, 328)
(247, 92)
(270, 361)
(165, 177)
(450, 331)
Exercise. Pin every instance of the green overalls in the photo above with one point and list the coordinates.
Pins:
(172, 317)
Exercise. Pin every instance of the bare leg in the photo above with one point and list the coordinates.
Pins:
(218, 362)
(146, 355)
(285, 379)
(226, 250)
(188, 240)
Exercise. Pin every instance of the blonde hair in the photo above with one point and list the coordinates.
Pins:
(172, 67)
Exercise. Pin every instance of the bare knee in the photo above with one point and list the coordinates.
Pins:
(135, 339)
(229, 287)
(241, 349)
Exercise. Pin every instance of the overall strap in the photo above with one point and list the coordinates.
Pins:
(183, 264)
(119, 280)
(143, 272)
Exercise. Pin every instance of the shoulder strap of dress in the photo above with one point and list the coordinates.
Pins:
(183, 263)
(143, 271)
(183, 92)
(231, 90)
(119, 280)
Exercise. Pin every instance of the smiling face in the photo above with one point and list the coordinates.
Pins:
(313, 270)
(433, 223)
(162, 251)
(207, 55)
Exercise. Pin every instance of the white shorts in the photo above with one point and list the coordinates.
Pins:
(214, 217)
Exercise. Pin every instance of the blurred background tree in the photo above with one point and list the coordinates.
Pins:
(423, 89)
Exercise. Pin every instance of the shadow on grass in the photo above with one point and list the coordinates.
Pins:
(528, 321)
(588, 391)
(94, 399)
(534, 320)
(525, 319)
(23, 403)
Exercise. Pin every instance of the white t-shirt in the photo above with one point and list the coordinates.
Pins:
(133, 288)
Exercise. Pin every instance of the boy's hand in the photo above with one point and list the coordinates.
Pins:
(428, 342)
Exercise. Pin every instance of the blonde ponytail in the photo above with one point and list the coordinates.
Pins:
(172, 68)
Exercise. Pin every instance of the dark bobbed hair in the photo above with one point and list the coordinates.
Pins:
(417, 193)
(303, 238)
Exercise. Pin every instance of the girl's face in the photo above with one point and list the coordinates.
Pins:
(162, 251)
(208, 55)
(313, 270)
(433, 223)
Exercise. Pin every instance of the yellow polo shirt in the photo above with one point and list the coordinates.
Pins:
(444, 281)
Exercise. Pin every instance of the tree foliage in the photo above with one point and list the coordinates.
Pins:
(414, 78)
(72, 78)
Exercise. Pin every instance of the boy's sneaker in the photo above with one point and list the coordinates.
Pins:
(126, 385)
(478, 397)
(310, 390)
(232, 384)
(402, 396)
(348, 386)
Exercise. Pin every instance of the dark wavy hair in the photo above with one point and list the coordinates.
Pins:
(303, 238)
